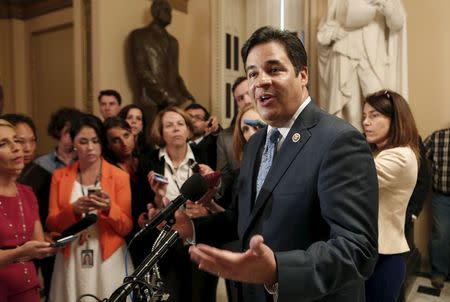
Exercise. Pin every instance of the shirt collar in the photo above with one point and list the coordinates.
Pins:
(189, 156)
(284, 130)
(198, 140)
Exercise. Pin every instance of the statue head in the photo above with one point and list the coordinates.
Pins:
(161, 12)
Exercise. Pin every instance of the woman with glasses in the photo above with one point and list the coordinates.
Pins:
(391, 131)
(90, 185)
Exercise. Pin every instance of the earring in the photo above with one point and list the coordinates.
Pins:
(74, 149)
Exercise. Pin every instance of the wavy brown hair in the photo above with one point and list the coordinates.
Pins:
(402, 131)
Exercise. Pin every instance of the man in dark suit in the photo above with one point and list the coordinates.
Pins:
(309, 232)
(204, 135)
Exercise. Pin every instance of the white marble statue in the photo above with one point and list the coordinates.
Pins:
(362, 49)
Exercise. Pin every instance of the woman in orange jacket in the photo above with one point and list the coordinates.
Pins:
(90, 185)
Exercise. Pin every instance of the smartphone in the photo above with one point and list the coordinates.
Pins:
(95, 191)
(210, 123)
(161, 178)
(63, 241)
(255, 123)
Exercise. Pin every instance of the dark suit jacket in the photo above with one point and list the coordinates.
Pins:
(205, 151)
(317, 209)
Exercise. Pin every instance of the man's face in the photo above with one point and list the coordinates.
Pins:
(198, 121)
(241, 95)
(277, 91)
(109, 106)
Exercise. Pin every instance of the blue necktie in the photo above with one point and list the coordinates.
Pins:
(267, 157)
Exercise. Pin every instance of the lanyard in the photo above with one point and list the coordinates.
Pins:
(97, 179)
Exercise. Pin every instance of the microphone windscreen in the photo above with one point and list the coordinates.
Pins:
(194, 187)
(80, 225)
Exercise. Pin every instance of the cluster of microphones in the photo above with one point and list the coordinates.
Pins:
(192, 189)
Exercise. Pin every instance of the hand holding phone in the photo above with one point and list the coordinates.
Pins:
(161, 178)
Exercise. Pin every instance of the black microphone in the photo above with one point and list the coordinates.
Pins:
(78, 226)
(192, 189)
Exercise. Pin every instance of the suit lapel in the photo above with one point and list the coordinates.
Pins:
(294, 142)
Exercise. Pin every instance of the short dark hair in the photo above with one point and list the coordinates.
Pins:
(60, 118)
(124, 112)
(89, 121)
(110, 92)
(198, 106)
(109, 123)
(115, 121)
(289, 40)
(237, 82)
(16, 118)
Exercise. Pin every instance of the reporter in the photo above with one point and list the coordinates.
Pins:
(176, 160)
(21, 234)
(70, 199)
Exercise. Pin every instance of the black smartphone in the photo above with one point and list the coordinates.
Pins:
(161, 178)
(63, 241)
(210, 123)
(255, 123)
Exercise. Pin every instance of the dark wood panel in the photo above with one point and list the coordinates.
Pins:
(27, 9)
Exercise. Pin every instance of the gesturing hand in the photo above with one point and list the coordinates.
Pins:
(256, 265)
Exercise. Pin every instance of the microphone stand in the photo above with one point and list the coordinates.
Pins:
(137, 276)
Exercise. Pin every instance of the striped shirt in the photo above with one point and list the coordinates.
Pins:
(437, 147)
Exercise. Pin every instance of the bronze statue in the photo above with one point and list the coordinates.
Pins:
(155, 63)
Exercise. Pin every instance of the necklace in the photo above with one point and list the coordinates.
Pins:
(97, 179)
(19, 236)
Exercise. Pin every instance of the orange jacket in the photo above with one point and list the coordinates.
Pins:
(112, 227)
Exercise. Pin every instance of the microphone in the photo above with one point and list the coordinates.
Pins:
(78, 226)
(193, 188)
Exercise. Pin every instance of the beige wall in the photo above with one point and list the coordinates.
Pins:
(429, 63)
(113, 20)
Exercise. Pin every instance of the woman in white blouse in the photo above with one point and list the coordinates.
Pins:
(176, 161)
(390, 129)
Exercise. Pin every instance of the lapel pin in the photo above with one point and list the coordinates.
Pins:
(296, 137)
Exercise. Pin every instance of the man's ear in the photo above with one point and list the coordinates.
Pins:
(303, 76)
